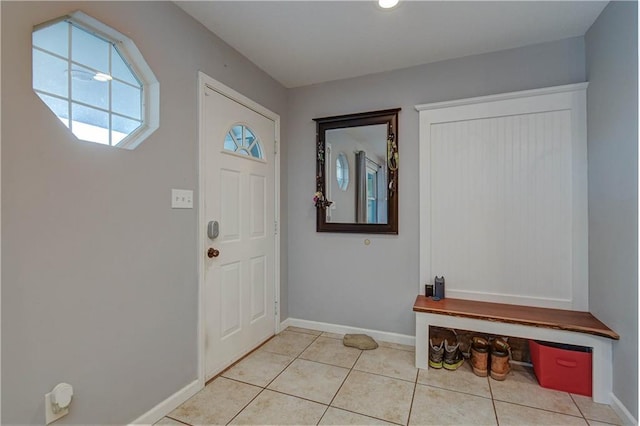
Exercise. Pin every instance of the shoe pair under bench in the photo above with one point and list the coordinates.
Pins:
(445, 355)
(486, 357)
(493, 357)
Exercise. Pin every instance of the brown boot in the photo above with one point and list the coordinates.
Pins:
(500, 360)
(479, 356)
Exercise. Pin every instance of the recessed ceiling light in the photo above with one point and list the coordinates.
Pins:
(387, 4)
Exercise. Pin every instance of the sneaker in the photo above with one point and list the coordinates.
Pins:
(436, 353)
(452, 356)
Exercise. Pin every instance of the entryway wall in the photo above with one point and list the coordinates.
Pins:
(99, 274)
(612, 134)
(336, 278)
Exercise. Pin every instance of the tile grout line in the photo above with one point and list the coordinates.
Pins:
(547, 410)
(340, 387)
(220, 374)
(265, 387)
(384, 375)
(246, 405)
(293, 360)
(345, 409)
(493, 401)
(324, 363)
(177, 420)
(456, 391)
(580, 410)
(413, 396)
(353, 368)
(453, 390)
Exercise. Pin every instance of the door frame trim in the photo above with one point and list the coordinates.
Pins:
(204, 82)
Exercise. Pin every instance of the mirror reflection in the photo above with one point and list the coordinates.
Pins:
(361, 149)
(357, 173)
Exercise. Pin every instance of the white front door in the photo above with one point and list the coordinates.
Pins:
(239, 188)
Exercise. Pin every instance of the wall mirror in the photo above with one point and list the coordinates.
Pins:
(357, 173)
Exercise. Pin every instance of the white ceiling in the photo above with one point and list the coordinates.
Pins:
(306, 42)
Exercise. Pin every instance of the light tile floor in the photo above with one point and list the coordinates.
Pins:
(306, 377)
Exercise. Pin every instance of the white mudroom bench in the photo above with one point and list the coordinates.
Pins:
(551, 325)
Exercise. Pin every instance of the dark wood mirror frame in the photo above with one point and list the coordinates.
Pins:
(388, 117)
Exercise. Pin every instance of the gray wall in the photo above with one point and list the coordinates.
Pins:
(99, 284)
(612, 106)
(335, 278)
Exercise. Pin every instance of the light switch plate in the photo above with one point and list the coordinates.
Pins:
(181, 199)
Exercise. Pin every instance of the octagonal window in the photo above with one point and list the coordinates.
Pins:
(95, 81)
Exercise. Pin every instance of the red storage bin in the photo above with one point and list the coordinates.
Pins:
(562, 367)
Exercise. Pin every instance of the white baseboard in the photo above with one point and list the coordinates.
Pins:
(384, 336)
(284, 324)
(622, 412)
(169, 404)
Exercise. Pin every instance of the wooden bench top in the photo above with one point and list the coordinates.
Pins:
(561, 319)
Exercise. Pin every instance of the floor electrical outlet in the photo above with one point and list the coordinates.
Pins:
(50, 416)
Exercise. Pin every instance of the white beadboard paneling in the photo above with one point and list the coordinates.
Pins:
(501, 204)
(503, 198)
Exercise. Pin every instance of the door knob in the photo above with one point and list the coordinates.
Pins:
(213, 252)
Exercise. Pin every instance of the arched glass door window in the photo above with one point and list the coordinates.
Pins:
(240, 139)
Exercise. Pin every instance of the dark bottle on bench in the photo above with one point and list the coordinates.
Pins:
(438, 284)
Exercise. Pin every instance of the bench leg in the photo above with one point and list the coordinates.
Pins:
(602, 374)
(422, 341)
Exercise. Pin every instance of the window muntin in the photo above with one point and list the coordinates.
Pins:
(372, 192)
(95, 81)
(240, 139)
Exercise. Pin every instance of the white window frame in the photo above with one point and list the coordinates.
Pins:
(243, 151)
(133, 57)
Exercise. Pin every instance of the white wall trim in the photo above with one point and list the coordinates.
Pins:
(504, 96)
(169, 404)
(0, 252)
(485, 296)
(622, 412)
(204, 81)
(142, 70)
(200, 239)
(384, 336)
(284, 324)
